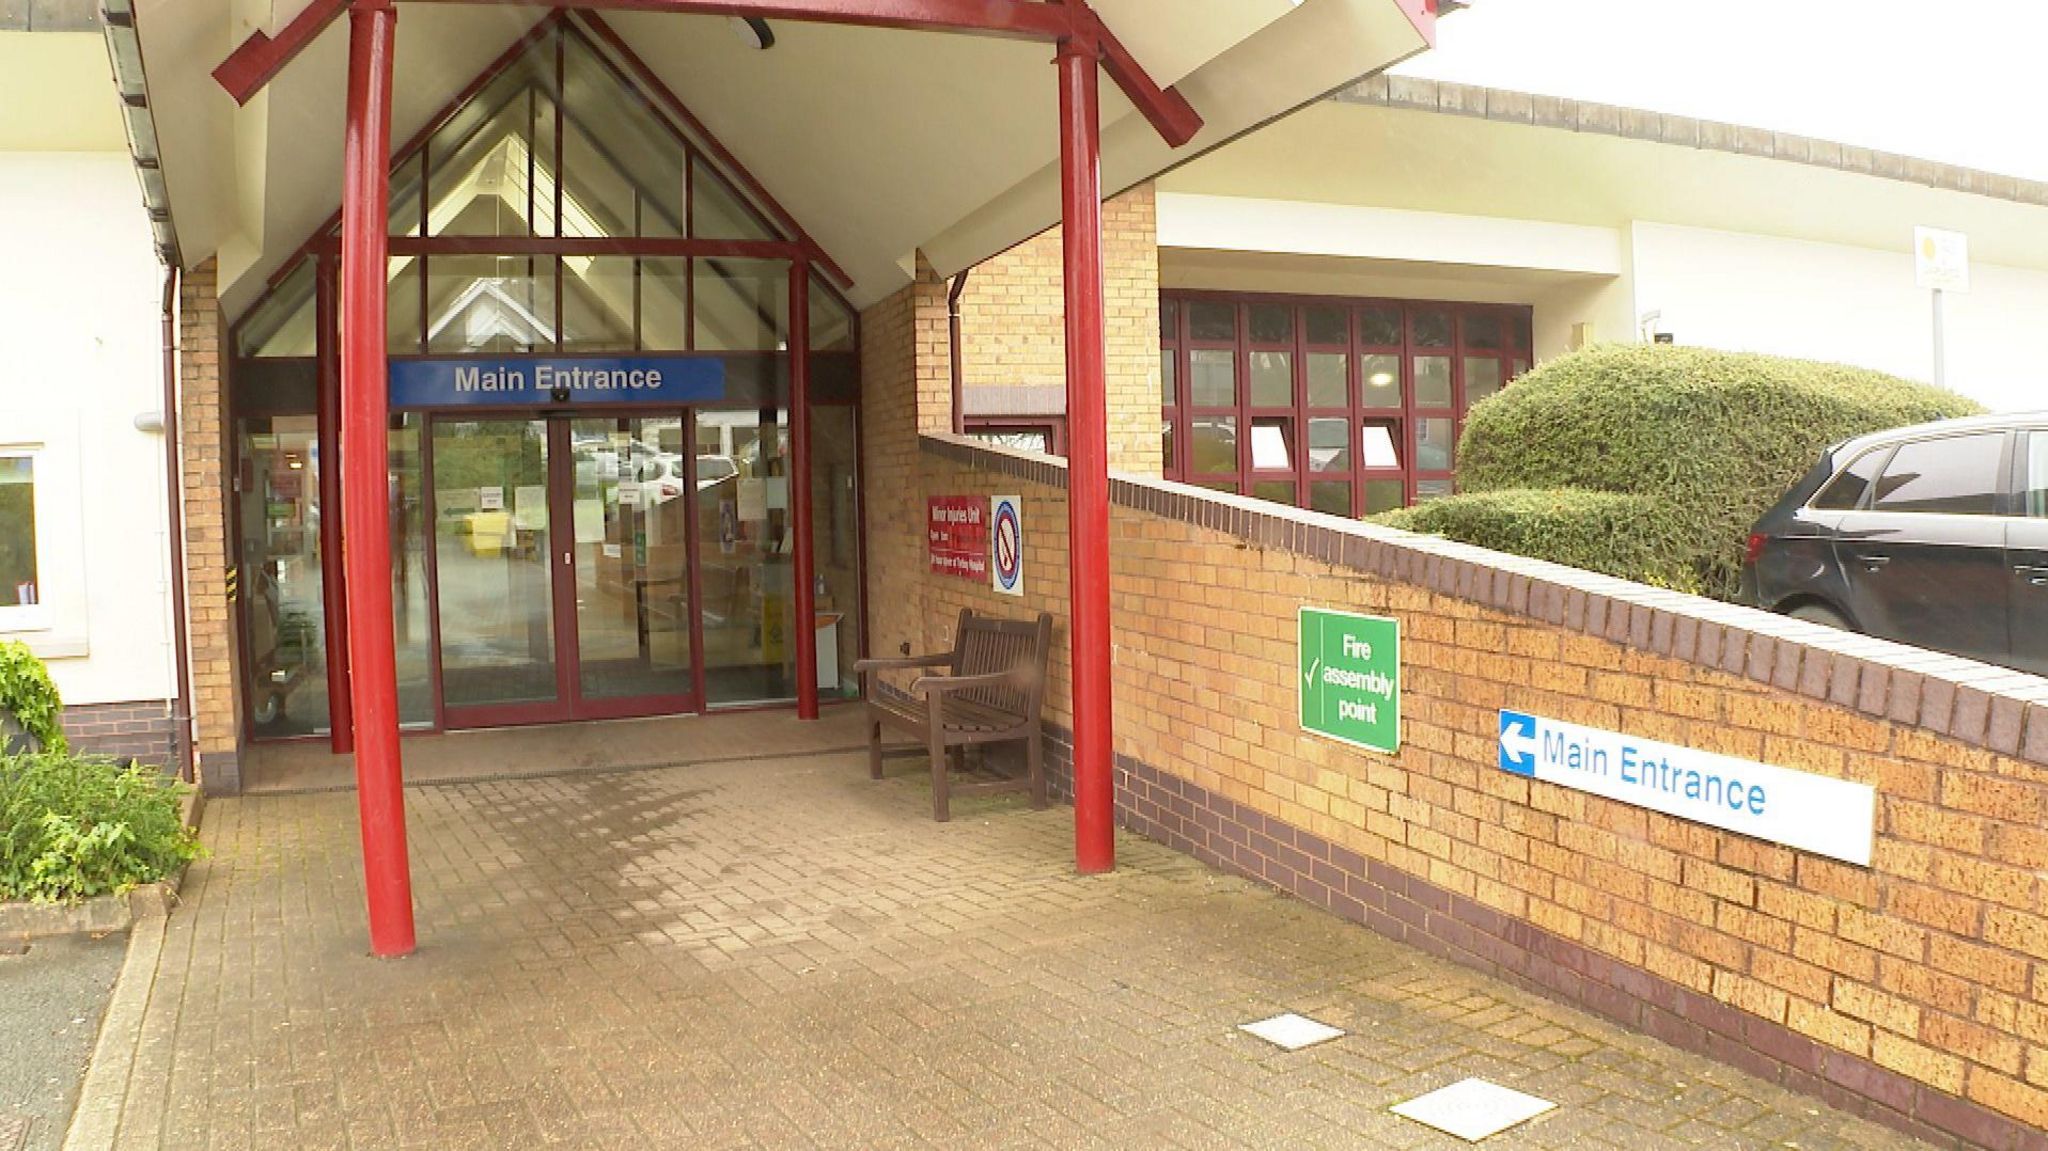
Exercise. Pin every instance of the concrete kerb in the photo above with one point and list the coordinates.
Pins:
(102, 914)
(96, 1119)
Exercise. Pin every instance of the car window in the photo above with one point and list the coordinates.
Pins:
(1846, 490)
(1954, 474)
(2034, 494)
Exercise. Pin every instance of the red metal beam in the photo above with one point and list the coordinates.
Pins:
(1087, 452)
(249, 67)
(1017, 19)
(366, 501)
(1166, 110)
(333, 584)
(806, 603)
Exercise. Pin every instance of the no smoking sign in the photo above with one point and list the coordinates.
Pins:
(1006, 545)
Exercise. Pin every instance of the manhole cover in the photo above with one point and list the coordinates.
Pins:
(13, 1132)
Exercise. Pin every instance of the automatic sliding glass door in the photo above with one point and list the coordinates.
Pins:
(493, 547)
(632, 509)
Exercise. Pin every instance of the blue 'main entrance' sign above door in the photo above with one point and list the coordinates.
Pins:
(523, 381)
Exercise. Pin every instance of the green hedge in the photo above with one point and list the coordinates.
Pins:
(1632, 536)
(1716, 436)
(26, 690)
(73, 827)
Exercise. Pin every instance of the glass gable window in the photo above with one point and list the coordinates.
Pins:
(1380, 390)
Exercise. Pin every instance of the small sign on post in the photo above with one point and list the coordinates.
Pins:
(1350, 678)
(1941, 263)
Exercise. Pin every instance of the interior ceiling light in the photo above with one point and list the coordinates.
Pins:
(753, 31)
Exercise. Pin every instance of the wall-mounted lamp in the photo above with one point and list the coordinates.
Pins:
(149, 423)
(753, 31)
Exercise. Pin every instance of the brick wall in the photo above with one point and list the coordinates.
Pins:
(139, 730)
(1013, 317)
(1914, 991)
(203, 439)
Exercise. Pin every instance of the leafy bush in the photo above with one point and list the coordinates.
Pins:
(26, 690)
(73, 827)
(1622, 534)
(1716, 436)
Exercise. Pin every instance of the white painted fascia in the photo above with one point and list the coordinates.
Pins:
(1244, 224)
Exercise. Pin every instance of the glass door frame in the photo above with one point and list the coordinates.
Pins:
(570, 704)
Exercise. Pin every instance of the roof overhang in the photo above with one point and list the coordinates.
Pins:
(882, 142)
(1360, 168)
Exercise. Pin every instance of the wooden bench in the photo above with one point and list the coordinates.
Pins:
(990, 691)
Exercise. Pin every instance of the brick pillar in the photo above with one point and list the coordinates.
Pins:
(905, 391)
(1013, 324)
(203, 441)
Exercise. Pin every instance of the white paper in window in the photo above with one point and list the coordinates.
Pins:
(1269, 447)
(1376, 446)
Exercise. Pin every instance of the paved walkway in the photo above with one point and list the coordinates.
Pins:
(782, 954)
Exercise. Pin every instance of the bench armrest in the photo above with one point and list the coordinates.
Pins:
(866, 665)
(940, 684)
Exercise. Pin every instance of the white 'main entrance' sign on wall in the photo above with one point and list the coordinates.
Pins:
(1817, 813)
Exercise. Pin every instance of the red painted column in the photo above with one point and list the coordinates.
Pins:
(806, 609)
(333, 587)
(365, 483)
(1087, 452)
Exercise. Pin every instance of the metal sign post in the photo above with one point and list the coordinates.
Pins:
(1941, 263)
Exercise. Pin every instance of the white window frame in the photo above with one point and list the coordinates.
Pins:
(56, 625)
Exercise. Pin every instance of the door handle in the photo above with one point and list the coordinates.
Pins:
(1873, 560)
(2033, 574)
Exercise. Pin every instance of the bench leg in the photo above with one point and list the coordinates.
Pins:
(874, 749)
(941, 809)
(1034, 750)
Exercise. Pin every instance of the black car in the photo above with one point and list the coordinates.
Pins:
(1934, 535)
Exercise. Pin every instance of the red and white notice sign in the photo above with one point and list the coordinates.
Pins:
(957, 536)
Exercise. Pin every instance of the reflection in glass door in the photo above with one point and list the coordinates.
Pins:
(743, 549)
(631, 506)
(492, 564)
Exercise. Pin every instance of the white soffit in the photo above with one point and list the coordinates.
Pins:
(63, 76)
(1244, 224)
(1427, 161)
(880, 142)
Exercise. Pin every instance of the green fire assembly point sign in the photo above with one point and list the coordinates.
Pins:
(1350, 668)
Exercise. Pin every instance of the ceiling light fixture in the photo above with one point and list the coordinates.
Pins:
(753, 31)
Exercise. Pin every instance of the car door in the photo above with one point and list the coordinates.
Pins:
(1925, 563)
(2026, 551)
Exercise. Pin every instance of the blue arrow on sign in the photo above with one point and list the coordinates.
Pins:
(1517, 742)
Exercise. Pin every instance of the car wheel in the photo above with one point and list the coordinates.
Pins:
(1822, 615)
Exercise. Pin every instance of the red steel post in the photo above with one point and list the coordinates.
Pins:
(365, 486)
(1087, 451)
(333, 587)
(806, 605)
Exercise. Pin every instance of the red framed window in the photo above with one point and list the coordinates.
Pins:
(1346, 406)
(1045, 434)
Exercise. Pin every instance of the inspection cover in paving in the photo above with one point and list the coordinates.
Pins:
(1473, 1109)
(1292, 1032)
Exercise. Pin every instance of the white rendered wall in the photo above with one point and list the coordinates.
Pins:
(80, 299)
(1744, 292)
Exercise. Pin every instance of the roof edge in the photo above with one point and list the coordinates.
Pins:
(1453, 98)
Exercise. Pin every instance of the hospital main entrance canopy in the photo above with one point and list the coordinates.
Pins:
(881, 131)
